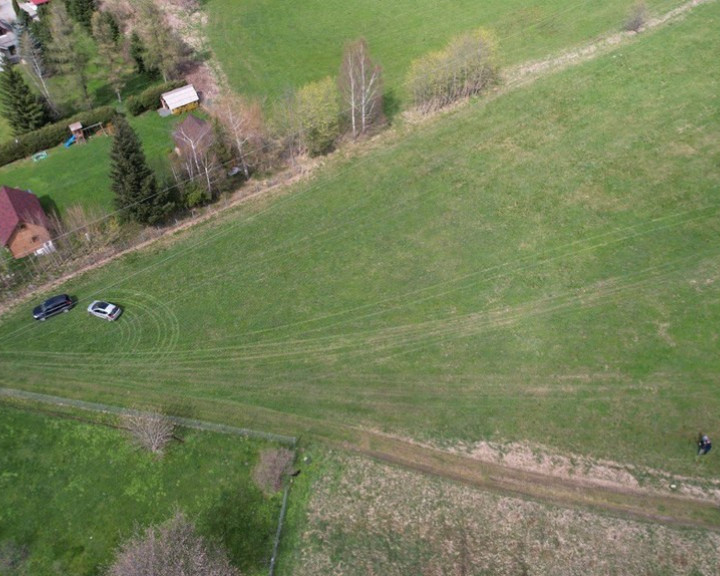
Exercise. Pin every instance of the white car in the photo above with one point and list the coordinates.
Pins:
(105, 310)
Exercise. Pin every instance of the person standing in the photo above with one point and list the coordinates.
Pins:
(704, 445)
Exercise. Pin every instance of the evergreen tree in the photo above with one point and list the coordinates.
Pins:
(23, 111)
(22, 17)
(32, 58)
(81, 11)
(163, 49)
(40, 27)
(110, 51)
(134, 184)
(136, 53)
(109, 22)
(71, 48)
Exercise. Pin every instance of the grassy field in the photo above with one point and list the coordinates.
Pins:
(80, 174)
(70, 492)
(267, 47)
(367, 518)
(543, 266)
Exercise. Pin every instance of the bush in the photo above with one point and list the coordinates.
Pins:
(50, 135)
(171, 549)
(149, 99)
(466, 67)
(133, 106)
(318, 112)
(272, 468)
(637, 18)
(150, 430)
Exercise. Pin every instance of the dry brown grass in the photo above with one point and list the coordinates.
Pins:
(377, 519)
(272, 469)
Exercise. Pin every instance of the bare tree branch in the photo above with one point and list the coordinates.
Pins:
(171, 549)
(151, 430)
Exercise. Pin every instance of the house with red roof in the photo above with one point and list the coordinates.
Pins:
(23, 224)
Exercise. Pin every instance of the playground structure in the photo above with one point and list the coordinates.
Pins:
(80, 134)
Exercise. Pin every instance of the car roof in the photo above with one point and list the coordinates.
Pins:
(57, 299)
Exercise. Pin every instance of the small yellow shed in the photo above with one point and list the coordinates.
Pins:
(180, 100)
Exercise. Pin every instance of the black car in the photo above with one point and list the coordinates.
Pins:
(52, 306)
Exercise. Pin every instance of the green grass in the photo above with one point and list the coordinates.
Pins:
(80, 174)
(5, 130)
(70, 492)
(543, 266)
(267, 46)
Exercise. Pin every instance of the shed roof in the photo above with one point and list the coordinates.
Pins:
(180, 97)
(18, 206)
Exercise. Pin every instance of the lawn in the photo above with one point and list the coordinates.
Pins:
(70, 492)
(80, 174)
(542, 266)
(267, 47)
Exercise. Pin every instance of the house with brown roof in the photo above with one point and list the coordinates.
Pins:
(193, 136)
(23, 224)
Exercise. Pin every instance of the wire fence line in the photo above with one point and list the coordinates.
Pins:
(120, 411)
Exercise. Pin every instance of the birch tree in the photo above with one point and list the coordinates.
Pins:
(243, 123)
(32, 57)
(198, 158)
(360, 84)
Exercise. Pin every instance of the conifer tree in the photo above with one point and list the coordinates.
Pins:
(22, 17)
(110, 51)
(23, 111)
(70, 48)
(31, 55)
(81, 11)
(163, 49)
(133, 182)
(136, 53)
(40, 26)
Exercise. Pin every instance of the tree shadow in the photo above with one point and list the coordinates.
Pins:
(49, 206)
(391, 105)
(243, 521)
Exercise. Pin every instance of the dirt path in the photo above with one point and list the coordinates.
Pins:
(669, 509)
(628, 502)
(528, 72)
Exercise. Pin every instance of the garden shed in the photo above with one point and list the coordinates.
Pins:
(180, 100)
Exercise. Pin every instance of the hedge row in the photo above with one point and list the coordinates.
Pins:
(149, 99)
(50, 135)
